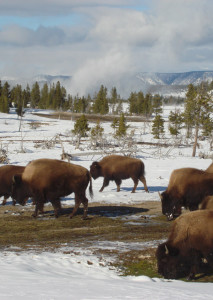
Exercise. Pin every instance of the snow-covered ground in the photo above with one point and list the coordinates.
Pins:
(63, 274)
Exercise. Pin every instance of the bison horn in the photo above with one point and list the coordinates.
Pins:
(160, 195)
(167, 250)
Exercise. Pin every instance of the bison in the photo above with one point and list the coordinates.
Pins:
(187, 187)
(117, 167)
(189, 244)
(6, 179)
(48, 180)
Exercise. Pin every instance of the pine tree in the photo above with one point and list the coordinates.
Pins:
(157, 104)
(35, 95)
(122, 127)
(133, 103)
(4, 105)
(158, 126)
(43, 103)
(175, 122)
(198, 107)
(189, 108)
(81, 128)
(101, 102)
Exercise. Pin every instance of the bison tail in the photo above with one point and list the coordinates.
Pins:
(90, 186)
(142, 169)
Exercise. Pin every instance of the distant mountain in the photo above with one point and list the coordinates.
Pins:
(165, 84)
(172, 83)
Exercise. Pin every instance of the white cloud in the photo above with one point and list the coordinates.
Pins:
(109, 43)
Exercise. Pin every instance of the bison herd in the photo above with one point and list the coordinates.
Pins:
(191, 238)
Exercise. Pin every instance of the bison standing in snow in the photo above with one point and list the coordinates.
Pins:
(117, 168)
(190, 241)
(187, 187)
(48, 180)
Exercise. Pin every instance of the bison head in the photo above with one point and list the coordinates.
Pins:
(95, 170)
(170, 207)
(171, 265)
(18, 190)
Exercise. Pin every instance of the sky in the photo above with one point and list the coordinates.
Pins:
(104, 41)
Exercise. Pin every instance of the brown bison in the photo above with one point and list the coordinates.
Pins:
(189, 243)
(117, 167)
(6, 179)
(48, 180)
(187, 187)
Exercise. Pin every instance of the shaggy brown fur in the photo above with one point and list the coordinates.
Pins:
(117, 167)
(187, 187)
(48, 180)
(190, 240)
(6, 175)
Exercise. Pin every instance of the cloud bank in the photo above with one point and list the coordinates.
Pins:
(104, 42)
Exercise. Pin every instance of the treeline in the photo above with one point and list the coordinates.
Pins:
(56, 97)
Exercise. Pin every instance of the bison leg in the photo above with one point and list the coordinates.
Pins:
(85, 204)
(77, 204)
(105, 183)
(57, 207)
(118, 183)
(143, 180)
(135, 184)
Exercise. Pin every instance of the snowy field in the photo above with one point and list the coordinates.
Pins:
(32, 275)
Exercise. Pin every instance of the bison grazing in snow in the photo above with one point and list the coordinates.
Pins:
(117, 167)
(189, 243)
(48, 180)
(187, 187)
(6, 179)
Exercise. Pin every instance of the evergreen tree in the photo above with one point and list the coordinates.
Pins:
(4, 104)
(175, 122)
(6, 93)
(189, 108)
(81, 128)
(158, 126)
(17, 97)
(114, 124)
(157, 104)
(147, 107)
(44, 99)
(122, 127)
(35, 95)
(133, 103)
(114, 100)
(97, 133)
(101, 102)
(26, 96)
(198, 107)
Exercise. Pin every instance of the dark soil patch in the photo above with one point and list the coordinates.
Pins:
(130, 233)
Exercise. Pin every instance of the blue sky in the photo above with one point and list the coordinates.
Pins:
(104, 41)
